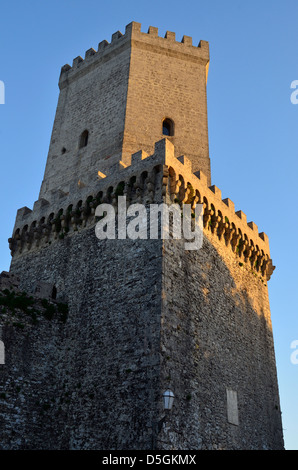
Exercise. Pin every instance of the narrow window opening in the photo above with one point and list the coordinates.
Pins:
(84, 139)
(168, 127)
(54, 293)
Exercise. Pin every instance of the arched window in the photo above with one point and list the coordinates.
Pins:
(168, 127)
(84, 139)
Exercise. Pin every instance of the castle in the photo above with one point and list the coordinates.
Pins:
(96, 332)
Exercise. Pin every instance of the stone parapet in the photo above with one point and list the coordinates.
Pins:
(120, 41)
(150, 179)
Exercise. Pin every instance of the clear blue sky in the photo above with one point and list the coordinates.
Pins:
(252, 122)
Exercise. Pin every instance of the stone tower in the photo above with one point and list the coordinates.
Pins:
(144, 315)
(111, 95)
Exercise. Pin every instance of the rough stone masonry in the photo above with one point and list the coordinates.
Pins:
(95, 331)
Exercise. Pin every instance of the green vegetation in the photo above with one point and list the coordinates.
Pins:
(12, 302)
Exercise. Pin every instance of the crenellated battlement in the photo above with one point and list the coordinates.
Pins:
(149, 179)
(134, 35)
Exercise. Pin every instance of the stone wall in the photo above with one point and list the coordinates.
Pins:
(144, 316)
(216, 336)
(93, 381)
(92, 100)
(168, 79)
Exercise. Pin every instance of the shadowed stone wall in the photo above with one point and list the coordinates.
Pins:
(91, 382)
(216, 336)
(144, 316)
